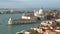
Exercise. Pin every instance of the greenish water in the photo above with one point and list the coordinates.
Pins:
(6, 29)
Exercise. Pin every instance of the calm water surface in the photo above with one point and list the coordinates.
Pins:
(6, 29)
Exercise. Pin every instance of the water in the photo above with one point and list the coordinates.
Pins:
(6, 29)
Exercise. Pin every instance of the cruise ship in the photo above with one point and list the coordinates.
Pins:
(36, 17)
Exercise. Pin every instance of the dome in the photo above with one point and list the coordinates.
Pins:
(40, 11)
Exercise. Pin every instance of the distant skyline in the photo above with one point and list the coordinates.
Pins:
(29, 3)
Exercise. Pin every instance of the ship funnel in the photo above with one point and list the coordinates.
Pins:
(10, 21)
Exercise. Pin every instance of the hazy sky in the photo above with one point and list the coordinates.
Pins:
(29, 3)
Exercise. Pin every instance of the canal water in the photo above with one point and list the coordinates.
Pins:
(12, 29)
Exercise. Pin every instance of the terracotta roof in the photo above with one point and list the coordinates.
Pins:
(33, 31)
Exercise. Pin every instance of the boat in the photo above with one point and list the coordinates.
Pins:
(21, 32)
(36, 17)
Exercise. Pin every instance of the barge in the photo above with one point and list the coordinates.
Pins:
(36, 17)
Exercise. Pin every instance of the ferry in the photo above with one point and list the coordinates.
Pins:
(36, 17)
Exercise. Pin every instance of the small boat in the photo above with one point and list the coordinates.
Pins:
(28, 18)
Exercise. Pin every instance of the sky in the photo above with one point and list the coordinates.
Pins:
(29, 3)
